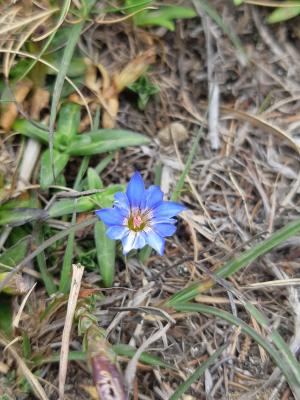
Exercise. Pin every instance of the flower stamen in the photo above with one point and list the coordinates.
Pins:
(137, 220)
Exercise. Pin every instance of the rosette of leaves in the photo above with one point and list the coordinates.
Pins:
(68, 143)
(144, 88)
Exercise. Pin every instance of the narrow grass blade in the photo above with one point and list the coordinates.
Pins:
(68, 53)
(66, 272)
(146, 358)
(26, 346)
(197, 374)
(187, 166)
(104, 162)
(6, 315)
(214, 15)
(284, 366)
(78, 184)
(120, 349)
(41, 261)
(276, 338)
(230, 268)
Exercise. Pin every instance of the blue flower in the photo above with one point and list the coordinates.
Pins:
(140, 216)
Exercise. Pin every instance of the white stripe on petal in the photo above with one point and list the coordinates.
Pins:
(128, 242)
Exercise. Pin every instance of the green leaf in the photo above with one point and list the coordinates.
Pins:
(26, 346)
(23, 201)
(84, 203)
(94, 180)
(42, 265)
(283, 14)
(20, 216)
(76, 70)
(26, 128)
(103, 140)
(46, 175)
(67, 206)
(14, 254)
(164, 16)
(78, 184)
(134, 5)
(6, 315)
(106, 254)
(68, 122)
(144, 19)
(106, 249)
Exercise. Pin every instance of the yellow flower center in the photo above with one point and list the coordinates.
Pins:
(137, 221)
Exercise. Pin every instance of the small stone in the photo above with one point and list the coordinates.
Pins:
(175, 130)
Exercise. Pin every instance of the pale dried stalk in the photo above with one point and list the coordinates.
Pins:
(74, 292)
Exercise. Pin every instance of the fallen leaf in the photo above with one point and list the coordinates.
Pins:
(39, 101)
(9, 110)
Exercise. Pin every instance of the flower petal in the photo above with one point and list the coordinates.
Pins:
(167, 209)
(164, 229)
(117, 232)
(110, 216)
(153, 196)
(163, 220)
(136, 191)
(155, 241)
(128, 242)
(134, 240)
(122, 203)
(140, 240)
